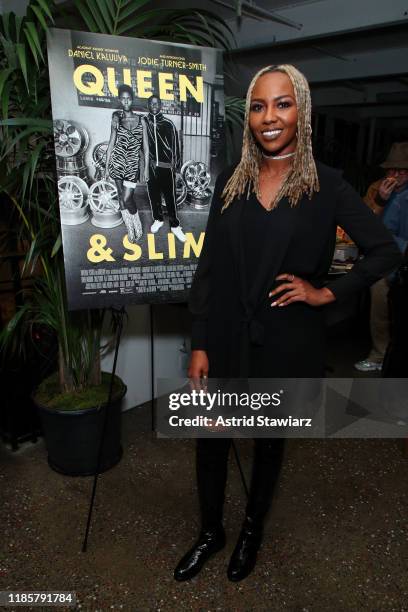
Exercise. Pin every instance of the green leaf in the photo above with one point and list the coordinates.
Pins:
(15, 321)
(200, 27)
(33, 159)
(94, 8)
(42, 124)
(184, 34)
(29, 258)
(111, 6)
(131, 8)
(216, 26)
(105, 14)
(39, 16)
(57, 246)
(179, 32)
(21, 54)
(10, 52)
(196, 27)
(200, 33)
(26, 174)
(5, 98)
(20, 136)
(6, 23)
(205, 24)
(32, 46)
(46, 9)
(34, 35)
(86, 16)
(133, 23)
(4, 75)
(18, 23)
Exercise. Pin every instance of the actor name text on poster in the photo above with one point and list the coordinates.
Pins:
(168, 62)
(103, 55)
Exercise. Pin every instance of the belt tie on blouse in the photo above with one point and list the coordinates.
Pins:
(255, 331)
(252, 332)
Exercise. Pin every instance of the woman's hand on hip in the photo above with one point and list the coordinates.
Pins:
(299, 290)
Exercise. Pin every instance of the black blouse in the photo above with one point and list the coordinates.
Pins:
(257, 230)
(246, 247)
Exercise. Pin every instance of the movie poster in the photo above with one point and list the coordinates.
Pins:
(138, 129)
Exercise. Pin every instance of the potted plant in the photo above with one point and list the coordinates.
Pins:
(73, 399)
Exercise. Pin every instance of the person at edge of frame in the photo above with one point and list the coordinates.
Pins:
(261, 283)
(164, 162)
(128, 136)
(391, 199)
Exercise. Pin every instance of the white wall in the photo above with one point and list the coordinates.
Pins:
(171, 340)
(16, 6)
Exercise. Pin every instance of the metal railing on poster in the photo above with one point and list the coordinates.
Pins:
(200, 132)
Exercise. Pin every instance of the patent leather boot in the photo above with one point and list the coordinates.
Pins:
(209, 542)
(265, 472)
(243, 559)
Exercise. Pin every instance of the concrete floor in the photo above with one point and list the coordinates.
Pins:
(336, 538)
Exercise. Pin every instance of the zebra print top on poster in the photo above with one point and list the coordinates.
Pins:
(124, 161)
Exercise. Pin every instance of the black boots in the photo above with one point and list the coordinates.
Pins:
(243, 558)
(209, 542)
(268, 455)
(211, 468)
(212, 459)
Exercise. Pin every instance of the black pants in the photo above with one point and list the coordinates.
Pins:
(162, 182)
(211, 466)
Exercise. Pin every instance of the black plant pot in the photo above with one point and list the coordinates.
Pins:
(73, 437)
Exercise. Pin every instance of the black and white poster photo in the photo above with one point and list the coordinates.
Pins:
(138, 129)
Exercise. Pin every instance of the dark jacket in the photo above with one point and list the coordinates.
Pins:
(283, 341)
(164, 148)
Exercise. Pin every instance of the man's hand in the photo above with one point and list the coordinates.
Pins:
(299, 290)
(386, 188)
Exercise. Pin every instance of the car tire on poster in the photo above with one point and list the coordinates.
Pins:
(72, 195)
(70, 142)
(104, 204)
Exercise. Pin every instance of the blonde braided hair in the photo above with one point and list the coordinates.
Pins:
(302, 176)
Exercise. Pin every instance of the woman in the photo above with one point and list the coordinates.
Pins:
(128, 136)
(260, 284)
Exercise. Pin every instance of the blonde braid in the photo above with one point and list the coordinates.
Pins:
(302, 176)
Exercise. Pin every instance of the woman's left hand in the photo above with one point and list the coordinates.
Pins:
(299, 290)
(146, 176)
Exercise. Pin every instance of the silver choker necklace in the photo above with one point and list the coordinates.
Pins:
(278, 156)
